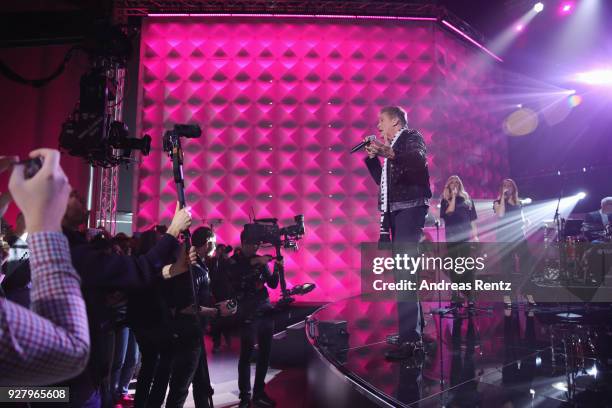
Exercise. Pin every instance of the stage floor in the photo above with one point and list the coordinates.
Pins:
(544, 356)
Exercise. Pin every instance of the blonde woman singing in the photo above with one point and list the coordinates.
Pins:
(459, 214)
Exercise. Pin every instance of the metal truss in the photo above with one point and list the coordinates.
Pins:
(342, 7)
(398, 8)
(107, 179)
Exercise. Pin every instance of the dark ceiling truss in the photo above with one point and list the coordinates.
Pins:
(129, 8)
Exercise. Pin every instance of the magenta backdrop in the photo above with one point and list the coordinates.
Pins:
(31, 118)
(281, 101)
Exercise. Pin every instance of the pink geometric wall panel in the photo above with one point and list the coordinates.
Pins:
(280, 103)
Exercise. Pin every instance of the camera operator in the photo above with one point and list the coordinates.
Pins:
(101, 274)
(221, 287)
(149, 318)
(250, 275)
(189, 363)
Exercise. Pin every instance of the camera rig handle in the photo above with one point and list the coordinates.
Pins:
(172, 145)
(285, 295)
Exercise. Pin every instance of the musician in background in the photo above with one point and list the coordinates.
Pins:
(595, 222)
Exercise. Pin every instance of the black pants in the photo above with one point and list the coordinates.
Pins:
(262, 329)
(518, 266)
(154, 375)
(218, 327)
(189, 365)
(406, 230)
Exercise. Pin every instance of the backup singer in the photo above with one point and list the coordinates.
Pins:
(511, 230)
(459, 215)
(403, 178)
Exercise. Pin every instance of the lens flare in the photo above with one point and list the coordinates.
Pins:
(574, 100)
(521, 122)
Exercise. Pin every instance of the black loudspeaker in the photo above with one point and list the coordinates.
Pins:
(333, 337)
(290, 347)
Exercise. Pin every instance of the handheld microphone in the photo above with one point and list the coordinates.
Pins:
(367, 141)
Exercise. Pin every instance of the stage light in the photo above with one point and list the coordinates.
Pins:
(526, 201)
(596, 77)
(560, 386)
(538, 361)
(566, 8)
(519, 27)
(593, 371)
(538, 7)
(581, 195)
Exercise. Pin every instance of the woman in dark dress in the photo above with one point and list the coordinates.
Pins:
(459, 215)
(511, 231)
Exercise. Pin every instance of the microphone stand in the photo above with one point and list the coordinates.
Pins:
(559, 226)
(440, 311)
(564, 278)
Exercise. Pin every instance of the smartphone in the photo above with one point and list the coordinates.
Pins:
(31, 166)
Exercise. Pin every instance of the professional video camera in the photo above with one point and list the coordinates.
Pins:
(172, 146)
(91, 131)
(172, 137)
(267, 231)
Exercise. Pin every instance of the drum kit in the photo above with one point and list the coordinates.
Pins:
(575, 253)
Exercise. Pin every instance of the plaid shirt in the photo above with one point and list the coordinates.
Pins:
(50, 343)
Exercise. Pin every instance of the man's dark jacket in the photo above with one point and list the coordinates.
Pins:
(593, 225)
(101, 273)
(407, 173)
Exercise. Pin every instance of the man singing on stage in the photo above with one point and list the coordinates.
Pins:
(403, 178)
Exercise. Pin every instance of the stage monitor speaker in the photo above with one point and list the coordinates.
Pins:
(290, 347)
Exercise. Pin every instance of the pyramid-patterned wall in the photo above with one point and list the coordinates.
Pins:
(280, 102)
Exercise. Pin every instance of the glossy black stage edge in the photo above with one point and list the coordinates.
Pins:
(551, 355)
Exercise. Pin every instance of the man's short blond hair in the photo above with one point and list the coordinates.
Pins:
(397, 113)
